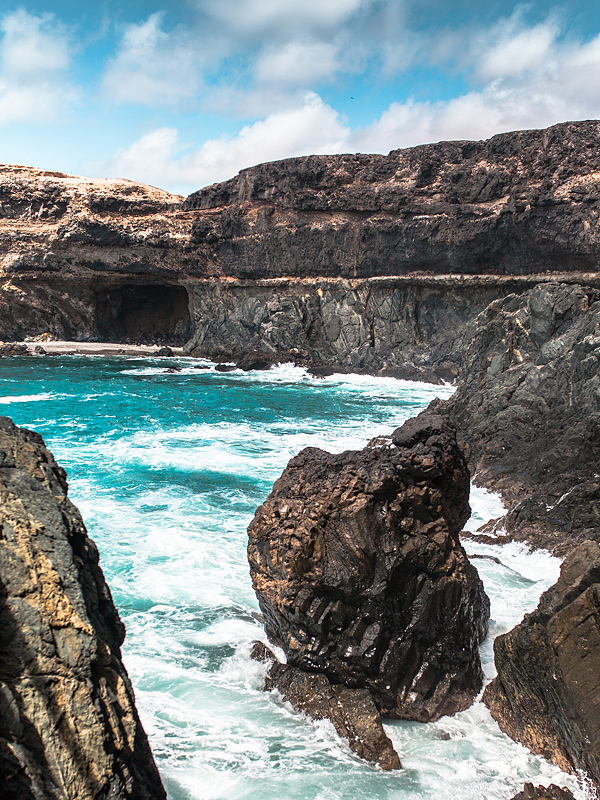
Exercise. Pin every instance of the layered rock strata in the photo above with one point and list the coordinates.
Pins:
(119, 261)
(528, 411)
(69, 729)
(359, 572)
(547, 695)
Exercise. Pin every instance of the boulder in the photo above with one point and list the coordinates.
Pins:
(547, 692)
(357, 565)
(69, 728)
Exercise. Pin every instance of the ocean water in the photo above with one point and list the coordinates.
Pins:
(167, 468)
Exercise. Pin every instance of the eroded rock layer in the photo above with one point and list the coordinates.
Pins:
(547, 694)
(69, 729)
(357, 566)
(528, 411)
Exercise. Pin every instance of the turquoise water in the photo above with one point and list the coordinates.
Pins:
(167, 469)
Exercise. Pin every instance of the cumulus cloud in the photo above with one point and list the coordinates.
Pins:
(281, 18)
(154, 67)
(34, 62)
(159, 157)
(297, 63)
(524, 77)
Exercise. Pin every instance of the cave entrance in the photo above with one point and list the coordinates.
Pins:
(157, 314)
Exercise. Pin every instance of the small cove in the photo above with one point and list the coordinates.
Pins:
(167, 469)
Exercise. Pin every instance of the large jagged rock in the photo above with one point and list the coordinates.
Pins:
(547, 692)
(359, 572)
(69, 729)
(528, 411)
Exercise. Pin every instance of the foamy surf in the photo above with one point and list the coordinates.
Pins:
(168, 469)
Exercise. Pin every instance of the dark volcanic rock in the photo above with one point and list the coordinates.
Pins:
(517, 203)
(528, 411)
(13, 349)
(357, 566)
(352, 711)
(552, 792)
(547, 693)
(68, 724)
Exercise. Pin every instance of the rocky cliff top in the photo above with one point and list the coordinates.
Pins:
(516, 204)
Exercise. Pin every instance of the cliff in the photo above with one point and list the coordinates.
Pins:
(527, 409)
(98, 259)
(69, 729)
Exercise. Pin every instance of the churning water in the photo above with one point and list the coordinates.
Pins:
(167, 468)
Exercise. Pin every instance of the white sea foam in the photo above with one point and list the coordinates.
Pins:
(169, 502)
(26, 398)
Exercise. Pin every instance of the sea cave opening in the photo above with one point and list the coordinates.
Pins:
(143, 314)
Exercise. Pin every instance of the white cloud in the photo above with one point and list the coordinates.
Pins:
(281, 17)
(34, 60)
(160, 158)
(153, 67)
(524, 78)
(297, 63)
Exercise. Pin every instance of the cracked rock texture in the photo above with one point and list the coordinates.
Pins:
(528, 412)
(351, 711)
(552, 792)
(69, 729)
(546, 694)
(357, 565)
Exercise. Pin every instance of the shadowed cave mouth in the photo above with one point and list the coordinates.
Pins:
(143, 314)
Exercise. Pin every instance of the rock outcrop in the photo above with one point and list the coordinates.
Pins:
(552, 792)
(359, 572)
(69, 729)
(119, 261)
(547, 693)
(352, 711)
(528, 411)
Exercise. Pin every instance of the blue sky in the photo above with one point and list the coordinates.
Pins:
(184, 93)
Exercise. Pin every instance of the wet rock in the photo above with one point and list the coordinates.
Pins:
(256, 359)
(527, 410)
(225, 367)
(68, 723)
(352, 711)
(547, 692)
(8, 349)
(552, 792)
(360, 575)
(165, 352)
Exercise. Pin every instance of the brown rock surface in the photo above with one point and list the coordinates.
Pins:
(69, 729)
(547, 692)
(552, 792)
(357, 566)
(352, 711)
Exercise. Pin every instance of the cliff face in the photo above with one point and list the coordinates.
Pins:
(115, 260)
(69, 729)
(546, 694)
(515, 204)
(528, 411)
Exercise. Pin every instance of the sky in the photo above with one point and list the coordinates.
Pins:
(183, 93)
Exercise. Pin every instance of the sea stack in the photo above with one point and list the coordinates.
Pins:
(358, 568)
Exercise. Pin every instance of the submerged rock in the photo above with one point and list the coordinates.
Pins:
(547, 692)
(69, 729)
(357, 565)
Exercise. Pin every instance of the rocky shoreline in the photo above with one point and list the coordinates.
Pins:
(470, 262)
